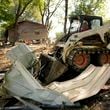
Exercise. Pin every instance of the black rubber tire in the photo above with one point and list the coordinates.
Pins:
(79, 60)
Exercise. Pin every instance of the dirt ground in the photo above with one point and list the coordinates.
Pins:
(38, 49)
(4, 62)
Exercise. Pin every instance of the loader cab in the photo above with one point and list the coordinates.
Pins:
(78, 23)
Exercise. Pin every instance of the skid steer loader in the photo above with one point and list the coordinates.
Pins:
(87, 42)
(80, 45)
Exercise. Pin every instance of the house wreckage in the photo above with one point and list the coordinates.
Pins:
(22, 89)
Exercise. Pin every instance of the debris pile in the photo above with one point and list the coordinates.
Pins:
(4, 62)
(22, 88)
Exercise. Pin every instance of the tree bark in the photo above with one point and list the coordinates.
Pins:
(48, 13)
(66, 15)
(20, 10)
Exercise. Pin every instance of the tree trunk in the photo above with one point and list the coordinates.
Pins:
(66, 15)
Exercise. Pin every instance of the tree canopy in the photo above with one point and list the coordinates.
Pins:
(6, 12)
(88, 7)
(13, 10)
(47, 9)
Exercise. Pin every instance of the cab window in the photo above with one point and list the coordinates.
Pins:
(75, 26)
(95, 24)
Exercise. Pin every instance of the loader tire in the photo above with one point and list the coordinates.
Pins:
(79, 60)
(103, 59)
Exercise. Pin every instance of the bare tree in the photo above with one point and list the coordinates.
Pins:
(20, 8)
(66, 15)
(47, 11)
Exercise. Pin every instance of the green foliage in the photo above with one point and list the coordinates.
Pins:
(6, 11)
(59, 35)
(88, 7)
(32, 12)
(47, 9)
(6, 14)
(13, 10)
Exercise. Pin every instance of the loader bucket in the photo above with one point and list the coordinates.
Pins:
(51, 68)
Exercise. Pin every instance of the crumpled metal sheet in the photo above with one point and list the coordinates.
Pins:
(53, 69)
(19, 82)
(89, 83)
(22, 53)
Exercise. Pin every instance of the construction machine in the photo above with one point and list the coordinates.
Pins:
(81, 46)
(87, 42)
